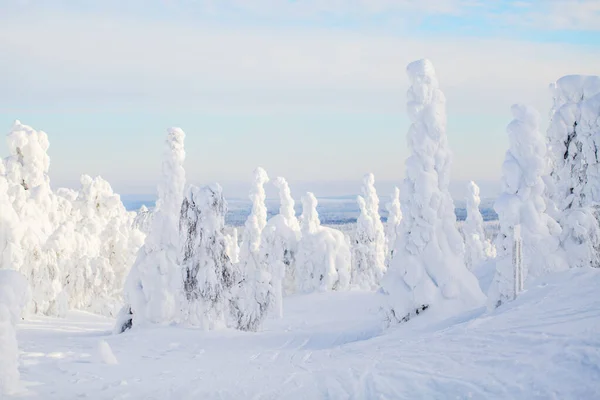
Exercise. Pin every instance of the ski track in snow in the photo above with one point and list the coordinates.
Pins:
(545, 345)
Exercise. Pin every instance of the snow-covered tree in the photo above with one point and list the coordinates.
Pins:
(14, 293)
(280, 243)
(208, 274)
(428, 269)
(233, 246)
(323, 261)
(143, 219)
(368, 247)
(26, 174)
(392, 225)
(254, 295)
(477, 247)
(521, 203)
(574, 144)
(154, 281)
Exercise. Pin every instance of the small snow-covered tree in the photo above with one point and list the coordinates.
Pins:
(208, 275)
(477, 247)
(280, 243)
(233, 246)
(324, 259)
(521, 203)
(14, 293)
(428, 267)
(368, 247)
(253, 295)
(393, 224)
(574, 144)
(143, 219)
(155, 279)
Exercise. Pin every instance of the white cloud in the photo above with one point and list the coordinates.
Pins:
(112, 62)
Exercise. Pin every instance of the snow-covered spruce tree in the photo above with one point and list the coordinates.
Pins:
(26, 173)
(428, 269)
(368, 247)
(253, 294)
(14, 293)
(280, 243)
(233, 246)
(208, 275)
(323, 260)
(143, 219)
(477, 248)
(574, 144)
(392, 225)
(521, 203)
(102, 247)
(154, 281)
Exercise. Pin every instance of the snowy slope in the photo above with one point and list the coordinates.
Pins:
(545, 345)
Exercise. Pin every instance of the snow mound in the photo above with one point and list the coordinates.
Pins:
(105, 354)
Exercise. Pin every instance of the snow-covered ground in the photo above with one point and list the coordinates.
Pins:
(544, 345)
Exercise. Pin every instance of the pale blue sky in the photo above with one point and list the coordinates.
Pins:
(311, 90)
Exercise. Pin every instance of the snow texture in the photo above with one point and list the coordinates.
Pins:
(324, 259)
(522, 203)
(392, 225)
(368, 246)
(478, 249)
(154, 282)
(331, 345)
(428, 270)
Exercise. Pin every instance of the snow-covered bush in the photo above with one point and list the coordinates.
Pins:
(392, 225)
(280, 242)
(14, 293)
(368, 243)
(522, 203)
(323, 261)
(208, 274)
(477, 248)
(154, 281)
(428, 269)
(254, 293)
(574, 144)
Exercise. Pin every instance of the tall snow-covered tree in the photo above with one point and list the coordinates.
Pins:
(253, 294)
(155, 279)
(368, 247)
(280, 243)
(208, 274)
(477, 247)
(26, 173)
(574, 144)
(521, 203)
(393, 224)
(428, 269)
(324, 259)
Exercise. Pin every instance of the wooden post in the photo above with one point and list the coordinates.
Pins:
(517, 261)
